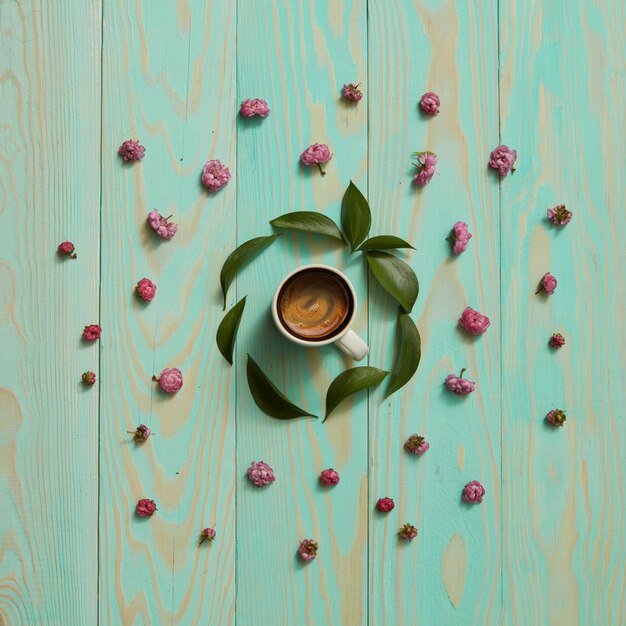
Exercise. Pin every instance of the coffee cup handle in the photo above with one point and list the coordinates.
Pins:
(353, 346)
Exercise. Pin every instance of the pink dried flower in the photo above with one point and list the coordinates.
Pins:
(474, 322)
(260, 474)
(503, 159)
(426, 162)
(141, 433)
(67, 249)
(473, 492)
(161, 226)
(131, 150)
(384, 505)
(556, 417)
(408, 532)
(329, 477)
(89, 378)
(145, 507)
(352, 92)
(460, 237)
(307, 550)
(416, 444)
(548, 284)
(146, 289)
(214, 175)
(92, 332)
(254, 106)
(206, 534)
(430, 103)
(459, 385)
(316, 154)
(557, 341)
(559, 215)
(170, 379)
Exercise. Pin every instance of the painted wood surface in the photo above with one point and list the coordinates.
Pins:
(169, 79)
(49, 192)
(562, 101)
(547, 544)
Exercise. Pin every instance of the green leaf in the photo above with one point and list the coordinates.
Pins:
(227, 331)
(385, 242)
(356, 217)
(349, 382)
(395, 277)
(240, 257)
(267, 396)
(309, 222)
(409, 355)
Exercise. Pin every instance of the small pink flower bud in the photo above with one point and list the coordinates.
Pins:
(557, 341)
(140, 434)
(254, 106)
(430, 103)
(559, 215)
(92, 332)
(329, 477)
(425, 165)
(145, 507)
(206, 534)
(459, 385)
(416, 444)
(161, 226)
(408, 532)
(215, 175)
(473, 492)
(503, 159)
(260, 474)
(131, 150)
(316, 154)
(146, 289)
(352, 92)
(384, 505)
(170, 379)
(556, 417)
(548, 284)
(460, 237)
(89, 378)
(307, 550)
(474, 322)
(66, 248)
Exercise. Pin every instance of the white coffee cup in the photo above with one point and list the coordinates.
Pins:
(346, 339)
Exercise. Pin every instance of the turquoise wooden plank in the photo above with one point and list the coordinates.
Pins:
(562, 105)
(297, 55)
(450, 574)
(169, 80)
(49, 192)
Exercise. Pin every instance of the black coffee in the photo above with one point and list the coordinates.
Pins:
(314, 305)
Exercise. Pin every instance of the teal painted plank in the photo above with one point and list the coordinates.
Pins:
(562, 84)
(450, 574)
(169, 80)
(49, 192)
(297, 55)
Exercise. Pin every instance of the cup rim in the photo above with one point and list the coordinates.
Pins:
(304, 342)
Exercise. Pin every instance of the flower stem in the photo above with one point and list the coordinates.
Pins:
(539, 290)
(322, 172)
(462, 372)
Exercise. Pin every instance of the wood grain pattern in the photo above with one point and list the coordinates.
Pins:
(547, 544)
(309, 50)
(449, 48)
(562, 105)
(169, 79)
(49, 192)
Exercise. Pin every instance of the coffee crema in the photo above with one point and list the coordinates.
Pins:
(314, 305)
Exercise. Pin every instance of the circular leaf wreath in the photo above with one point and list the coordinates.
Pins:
(393, 274)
